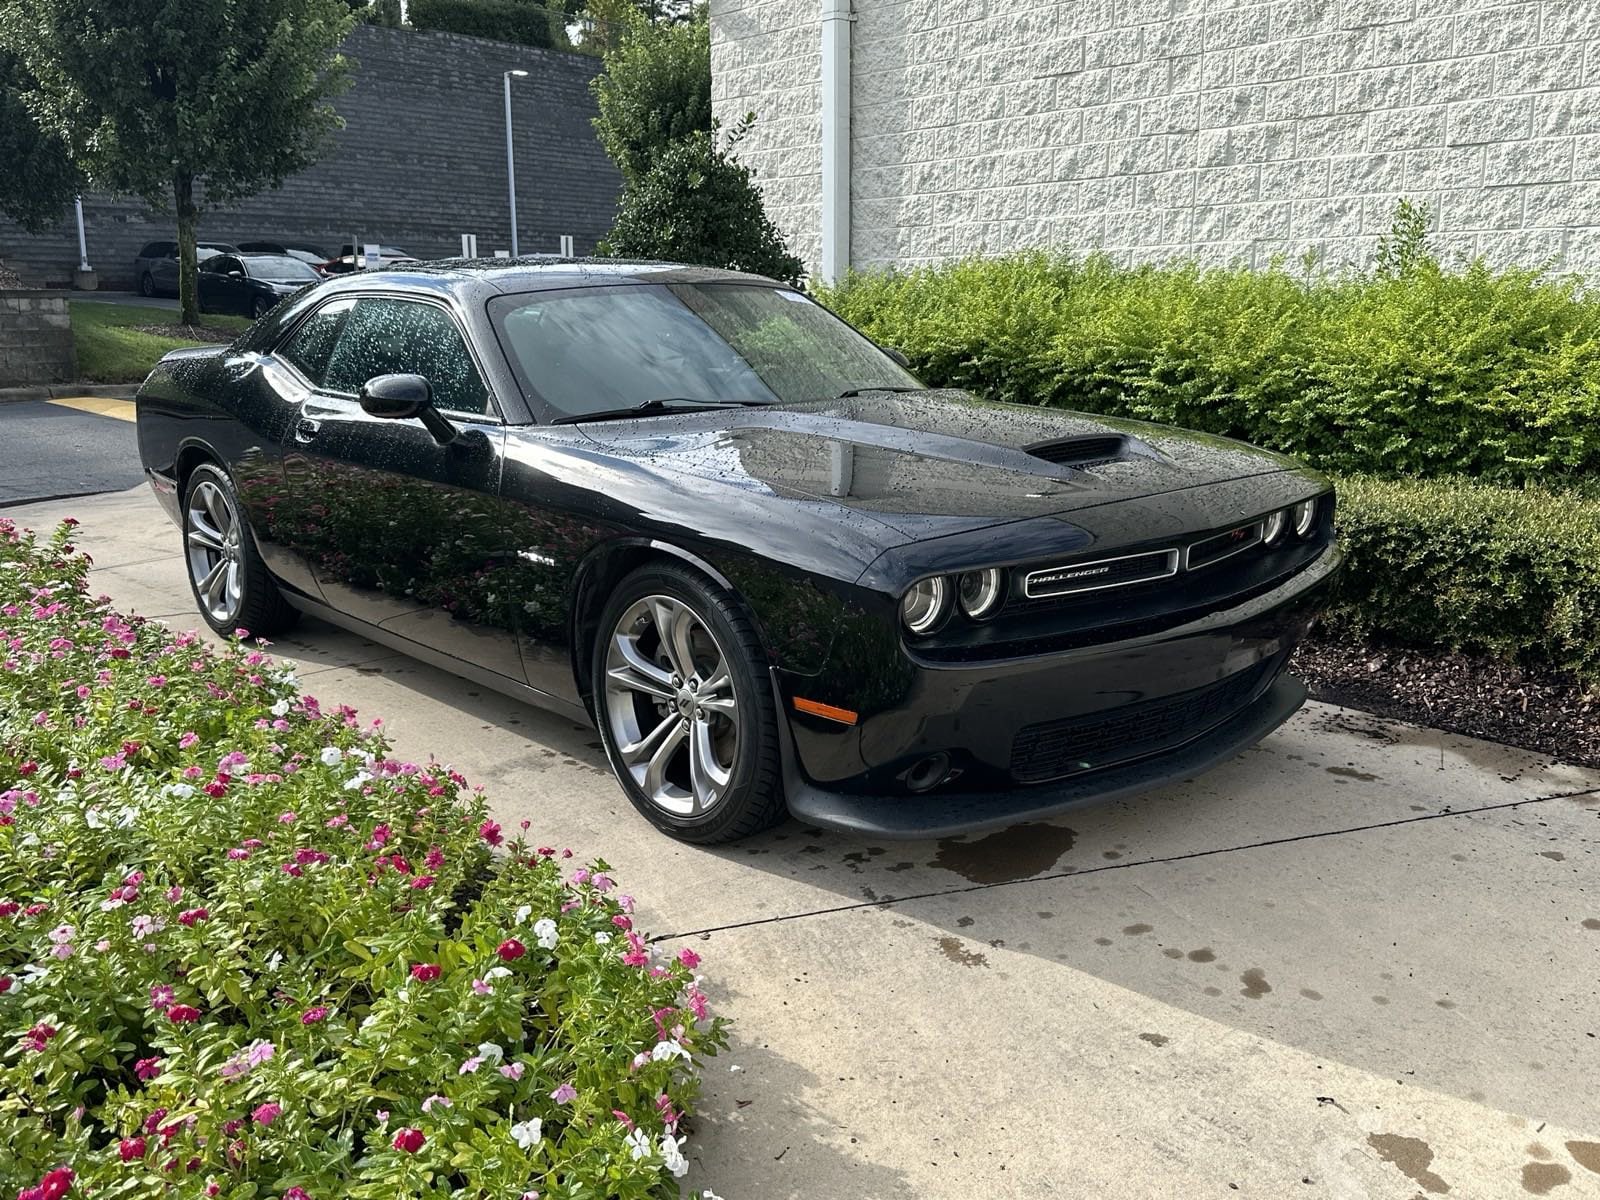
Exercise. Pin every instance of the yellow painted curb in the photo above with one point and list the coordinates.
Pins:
(103, 406)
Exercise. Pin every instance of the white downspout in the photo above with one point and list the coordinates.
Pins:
(836, 18)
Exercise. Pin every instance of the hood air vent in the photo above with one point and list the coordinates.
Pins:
(1081, 452)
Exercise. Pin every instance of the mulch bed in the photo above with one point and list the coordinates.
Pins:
(1541, 711)
(191, 333)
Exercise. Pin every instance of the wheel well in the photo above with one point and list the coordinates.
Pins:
(189, 458)
(595, 586)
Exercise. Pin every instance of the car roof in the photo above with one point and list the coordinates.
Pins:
(534, 273)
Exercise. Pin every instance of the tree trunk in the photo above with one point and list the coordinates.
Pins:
(188, 225)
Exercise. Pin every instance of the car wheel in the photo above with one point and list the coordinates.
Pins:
(147, 285)
(685, 709)
(261, 307)
(231, 584)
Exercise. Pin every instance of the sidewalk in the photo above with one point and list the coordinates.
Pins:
(1358, 962)
(56, 391)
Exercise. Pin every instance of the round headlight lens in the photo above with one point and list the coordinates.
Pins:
(979, 592)
(924, 604)
(1305, 518)
(1272, 527)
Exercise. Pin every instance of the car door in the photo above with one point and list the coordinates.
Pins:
(408, 531)
(212, 285)
(164, 271)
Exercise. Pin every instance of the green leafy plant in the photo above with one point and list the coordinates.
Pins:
(655, 90)
(516, 21)
(246, 952)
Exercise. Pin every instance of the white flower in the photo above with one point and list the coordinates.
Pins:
(638, 1144)
(181, 790)
(497, 972)
(91, 817)
(668, 1049)
(544, 932)
(529, 1133)
(357, 780)
(523, 914)
(280, 709)
(708, 1194)
(331, 755)
(602, 938)
(490, 1051)
(672, 1157)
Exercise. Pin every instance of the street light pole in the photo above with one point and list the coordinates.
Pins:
(511, 160)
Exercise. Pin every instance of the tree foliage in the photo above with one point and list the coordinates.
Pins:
(39, 178)
(655, 90)
(171, 99)
(698, 204)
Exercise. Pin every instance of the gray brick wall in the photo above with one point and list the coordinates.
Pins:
(35, 339)
(1226, 130)
(421, 160)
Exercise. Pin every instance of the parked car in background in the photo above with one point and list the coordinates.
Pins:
(251, 283)
(312, 256)
(696, 508)
(348, 260)
(155, 269)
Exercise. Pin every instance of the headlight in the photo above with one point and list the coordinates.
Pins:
(979, 592)
(1272, 527)
(924, 604)
(1305, 518)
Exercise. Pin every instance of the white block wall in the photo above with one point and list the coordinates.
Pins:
(1228, 130)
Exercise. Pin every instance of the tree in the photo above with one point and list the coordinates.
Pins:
(40, 178)
(698, 204)
(169, 99)
(655, 90)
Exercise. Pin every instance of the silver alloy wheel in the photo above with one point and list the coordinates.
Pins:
(670, 703)
(211, 533)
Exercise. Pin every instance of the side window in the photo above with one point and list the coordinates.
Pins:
(385, 336)
(311, 344)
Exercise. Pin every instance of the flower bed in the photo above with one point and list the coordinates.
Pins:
(246, 952)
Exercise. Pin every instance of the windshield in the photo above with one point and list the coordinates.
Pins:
(600, 349)
(281, 269)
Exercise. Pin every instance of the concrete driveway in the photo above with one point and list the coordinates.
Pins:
(1360, 961)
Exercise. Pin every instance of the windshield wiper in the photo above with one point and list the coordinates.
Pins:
(858, 391)
(663, 404)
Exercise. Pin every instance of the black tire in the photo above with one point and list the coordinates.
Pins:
(260, 607)
(260, 308)
(752, 799)
(147, 285)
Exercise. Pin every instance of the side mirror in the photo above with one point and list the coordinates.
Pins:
(898, 355)
(406, 398)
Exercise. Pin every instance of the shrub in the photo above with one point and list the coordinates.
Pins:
(1515, 574)
(1412, 370)
(655, 90)
(244, 952)
(516, 21)
(697, 204)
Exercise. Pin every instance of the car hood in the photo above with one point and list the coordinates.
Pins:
(933, 462)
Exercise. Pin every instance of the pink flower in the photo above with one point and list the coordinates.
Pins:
(627, 1121)
(130, 1148)
(581, 875)
(294, 1193)
(39, 1036)
(312, 1015)
(286, 818)
(443, 1101)
(510, 950)
(433, 859)
(161, 996)
(471, 1065)
(604, 882)
(267, 1113)
(174, 894)
(688, 958)
(147, 1068)
(192, 915)
(512, 1070)
(183, 1014)
(410, 1140)
(478, 985)
(489, 831)
(565, 1094)
(425, 972)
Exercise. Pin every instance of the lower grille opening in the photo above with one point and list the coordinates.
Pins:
(1055, 749)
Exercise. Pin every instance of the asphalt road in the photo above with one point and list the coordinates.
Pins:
(1359, 962)
(72, 447)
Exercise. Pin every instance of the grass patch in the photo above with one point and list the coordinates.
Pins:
(116, 344)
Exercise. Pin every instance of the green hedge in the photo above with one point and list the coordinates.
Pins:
(519, 21)
(1421, 371)
(1514, 574)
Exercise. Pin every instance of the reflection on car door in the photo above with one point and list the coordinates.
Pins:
(399, 530)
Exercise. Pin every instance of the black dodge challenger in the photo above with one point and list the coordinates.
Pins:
(775, 570)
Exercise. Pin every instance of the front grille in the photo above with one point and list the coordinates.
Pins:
(1223, 545)
(1053, 749)
(1100, 573)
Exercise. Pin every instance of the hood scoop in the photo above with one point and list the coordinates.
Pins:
(1082, 453)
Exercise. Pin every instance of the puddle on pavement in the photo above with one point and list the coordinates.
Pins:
(1412, 1156)
(957, 953)
(1255, 984)
(1542, 1178)
(1155, 1039)
(1586, 1155)
(1020, 852)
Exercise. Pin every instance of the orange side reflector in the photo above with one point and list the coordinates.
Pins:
(818, 709)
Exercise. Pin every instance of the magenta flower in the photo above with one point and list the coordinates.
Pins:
(39, 1036)
(294, 1193)
(489, 831)
(510, 950)
(192, 915)
(183, 1014)
(129, 1149)
(410, 1140)
(425, 972)
(688, 958)
(161, 996)
(312, 1015)
(147, 1068)
(266, 1114)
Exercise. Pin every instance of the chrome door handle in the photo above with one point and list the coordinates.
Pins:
(306, 429)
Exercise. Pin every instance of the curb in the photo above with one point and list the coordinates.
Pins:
(113, 391)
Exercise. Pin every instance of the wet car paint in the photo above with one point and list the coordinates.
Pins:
(497, 551)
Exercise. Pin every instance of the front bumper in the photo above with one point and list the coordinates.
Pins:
(941, 814)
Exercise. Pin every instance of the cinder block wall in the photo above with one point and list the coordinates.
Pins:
(421, 160)
(1228, 130)
(35, 339)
